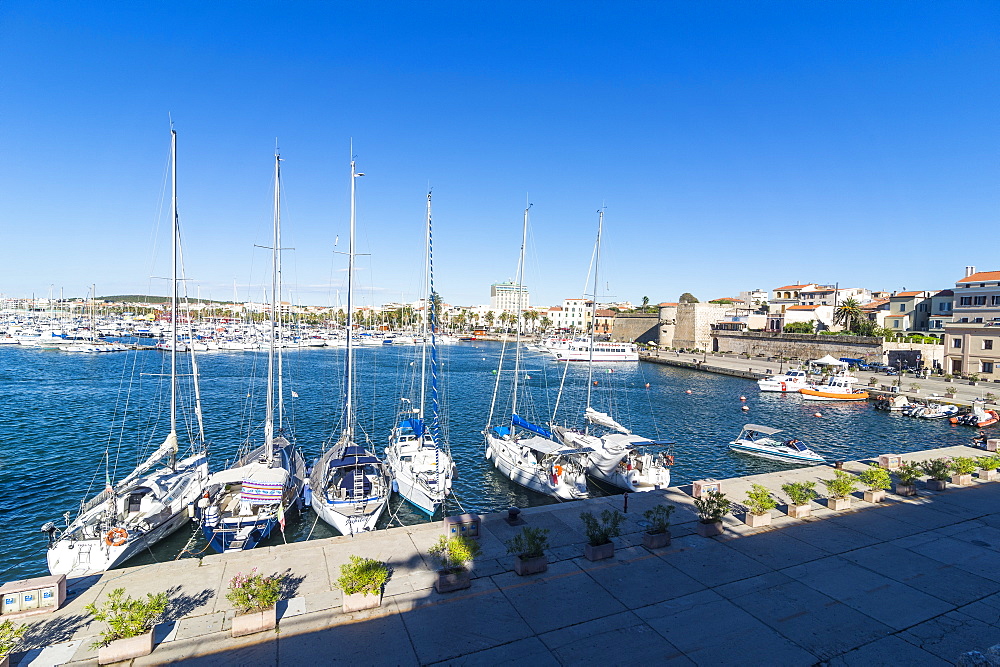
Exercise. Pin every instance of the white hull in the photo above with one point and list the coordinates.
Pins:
(774, 454)
(421, 476)
(523, 469)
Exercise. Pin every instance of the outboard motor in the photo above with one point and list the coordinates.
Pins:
(50, 531)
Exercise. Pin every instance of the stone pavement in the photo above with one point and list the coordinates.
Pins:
(907, 581)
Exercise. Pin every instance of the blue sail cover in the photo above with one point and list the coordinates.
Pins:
(416, 425)
(517, 421)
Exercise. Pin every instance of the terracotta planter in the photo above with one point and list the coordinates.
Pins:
(125, 649)
(360, 601)
(656, 540)
(875, 496)
(799, 511)
(599, 552)
(533, 565)
(452, 581)
(961, 480)
(906, 490)
(757, 520)
(5, 661)
(937, 484)
(989, 475)
(838, 504)
(710, 529)
(254, 622)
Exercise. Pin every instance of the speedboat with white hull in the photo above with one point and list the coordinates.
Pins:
(758, 441)
(156, 498)
(788, 382)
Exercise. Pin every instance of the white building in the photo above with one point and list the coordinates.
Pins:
(508, 297)
(574, 314)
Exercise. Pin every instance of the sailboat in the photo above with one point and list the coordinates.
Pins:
(350, 485)
(617, 456)
(421, 467)
(242, 505)
(155, 499)
(525, 452)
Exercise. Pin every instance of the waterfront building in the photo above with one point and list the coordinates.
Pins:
(605, 322)
(909, 311)
(972, 338)
(508, 297)
(941, 309)
(573, 315)
(877, 310)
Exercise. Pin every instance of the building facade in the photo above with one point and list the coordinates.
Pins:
(972, 338)
(508, 297)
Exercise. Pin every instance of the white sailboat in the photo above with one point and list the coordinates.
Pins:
(243, 504)
(617, 456)
(421, 465)
(350, 485)
(155, 499)
(526, 453)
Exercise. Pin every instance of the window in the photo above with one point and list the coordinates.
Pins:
(965, 301)
(956, 343)
(964, 319)
(978, 320)
(923, 308)
(988, 344)
(987, 366)
(937, 324)
(943, 307)
(979, 300)
(902, 307)
(895, 324)
(995, 300)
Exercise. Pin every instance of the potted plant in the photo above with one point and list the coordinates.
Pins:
(10, 636)
(877, 479)
(907, 473)
(990, 397)
(799, 496)
(939, 470)
(658, 535)
(950, 392)
(973, 379)
(759, 505)
(988, 467)
(254, 596)
(872, 381)
(599, 533)
(962, 468)
(915, 388)
(839, 490)
(130, 625)
(362, 581)
(712, 506)
(528, 548)
(948, 377)
(452, 554)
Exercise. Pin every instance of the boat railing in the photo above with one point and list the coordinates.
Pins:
(95, 501)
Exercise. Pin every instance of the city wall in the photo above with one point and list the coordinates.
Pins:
(636, 327)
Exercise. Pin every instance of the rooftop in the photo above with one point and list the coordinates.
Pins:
(980, 277)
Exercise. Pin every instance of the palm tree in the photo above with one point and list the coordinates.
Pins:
(848, 314)
(546, 323)
(531, 316)
(489, 319)
(645, 303)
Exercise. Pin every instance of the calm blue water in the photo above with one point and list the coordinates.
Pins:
(61, 412)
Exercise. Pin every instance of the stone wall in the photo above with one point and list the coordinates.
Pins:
(636, 328)
(694, 324)
(814, 346)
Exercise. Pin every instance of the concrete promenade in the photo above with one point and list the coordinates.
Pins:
(908, 581)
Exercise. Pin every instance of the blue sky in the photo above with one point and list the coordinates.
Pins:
(736, 145)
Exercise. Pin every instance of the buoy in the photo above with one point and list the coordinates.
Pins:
(743, 398)
(818, 414)
(688, 391)
(647, 385)
(611, 370)
(595, 383)
(494, 371)
(527, 377)
(746, 408)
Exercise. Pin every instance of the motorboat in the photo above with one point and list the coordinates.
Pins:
(757, 440)
(583, 349)
(839, 387)
(939, 411)
(789, 382)
(978, 416)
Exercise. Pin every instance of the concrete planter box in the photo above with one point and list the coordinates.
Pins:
(875, 496)
(5, 661)
(710, 529)
(452, 581)
(757, 520)
(125, 649)
(905, 490)
(656, 540)
(838, 504)
(799, 511)
(254, 622)
(961, 480)
(534, 565)
(989, 475)
(937, 484)
(360, 601)
(599, 552)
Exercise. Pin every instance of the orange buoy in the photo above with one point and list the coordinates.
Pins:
(746, 408)
(743, 398)
(818, 414)
(688, 391)
(647, 385)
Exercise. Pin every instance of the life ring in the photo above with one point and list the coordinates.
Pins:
(557, 470)
(784, 387)
(116, 537)
(668, 459)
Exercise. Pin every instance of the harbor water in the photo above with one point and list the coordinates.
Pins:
(65, 414)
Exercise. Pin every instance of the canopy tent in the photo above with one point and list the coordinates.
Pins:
(828, 361)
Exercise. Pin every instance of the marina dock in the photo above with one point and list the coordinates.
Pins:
(908, 581)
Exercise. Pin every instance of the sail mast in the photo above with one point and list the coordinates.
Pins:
(173, 297)
(593, 309)
(520, 305)
(349, 365)
(428, 309)
(277, 289)
(272, 316)
(432, 303)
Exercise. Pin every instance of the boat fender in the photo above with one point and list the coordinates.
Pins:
(818, 414)
(784, 387)
(557, 470)
(116, 537)
(668, 459)
(307, 496)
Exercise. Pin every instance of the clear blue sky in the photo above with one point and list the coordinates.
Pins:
(736, 145)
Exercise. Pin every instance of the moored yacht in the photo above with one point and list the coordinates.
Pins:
(790, 381)
(759, 441)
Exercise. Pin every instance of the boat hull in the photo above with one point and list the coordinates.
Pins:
(770, 454)
(529, 474)
(817, 395)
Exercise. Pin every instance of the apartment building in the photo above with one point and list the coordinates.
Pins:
(972, 338)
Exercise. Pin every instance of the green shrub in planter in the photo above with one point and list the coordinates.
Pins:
(712, 506)
(842, 484)
(759, 500)
(990, 397)
(529, 543)
(800, 493)
(601, 531)
(362, 575)
(452, 553)
(127, 617)
(988, 462)
(937, 469)
(876, 478)
(254, 592)
(10, 636)
(659, 518)
(963, 465)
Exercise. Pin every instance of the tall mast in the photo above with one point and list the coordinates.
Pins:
(593, 309)
(349, 365)
(173, 295)
(432, 302)
(269, 415)
(277, 287)
(428, 308)
(520, 304)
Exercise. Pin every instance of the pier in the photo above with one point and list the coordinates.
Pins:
(910, 580)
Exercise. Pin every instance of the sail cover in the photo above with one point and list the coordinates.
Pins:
(169, 446)
(264, 487)
(417, 425)
(604, 419)
(517, 421)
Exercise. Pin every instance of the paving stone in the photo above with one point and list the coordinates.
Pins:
(978, 560)
(973, 628)
(886, 651)
(199, 625)
(530, 651)
(321, 639)
(832, 536)
(618, 639)
(637, 578)
(777, 548)
(710, 562)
